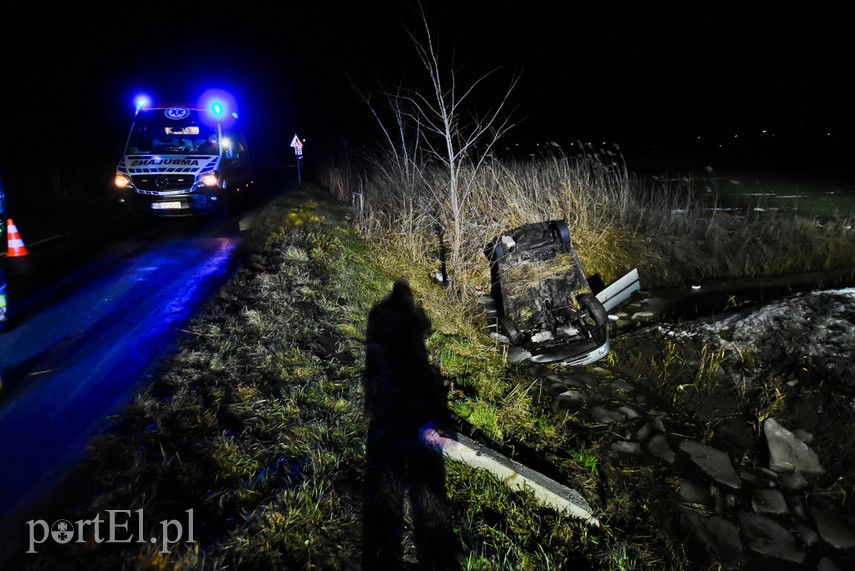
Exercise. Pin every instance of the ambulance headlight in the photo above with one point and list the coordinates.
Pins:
(209, 178)
(122, 180)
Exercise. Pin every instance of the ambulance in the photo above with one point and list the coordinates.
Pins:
(183, 160)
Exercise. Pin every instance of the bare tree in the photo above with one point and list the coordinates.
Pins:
(402, 135)
(455, 134)
(438, 124)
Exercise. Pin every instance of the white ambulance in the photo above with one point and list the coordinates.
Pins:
(183, 161)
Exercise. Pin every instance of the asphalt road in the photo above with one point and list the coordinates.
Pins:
(90, 317)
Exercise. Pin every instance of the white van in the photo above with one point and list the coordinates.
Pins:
(183, 161)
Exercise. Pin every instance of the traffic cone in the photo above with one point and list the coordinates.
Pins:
(16, 244)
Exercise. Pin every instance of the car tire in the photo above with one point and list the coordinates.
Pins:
(499, 251)
(598, 313)
(510, 329)
(563, 231)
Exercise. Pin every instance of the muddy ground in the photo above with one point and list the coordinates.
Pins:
(791, 359)
(724, 381)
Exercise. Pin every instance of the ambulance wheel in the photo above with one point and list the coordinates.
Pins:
(224, 206)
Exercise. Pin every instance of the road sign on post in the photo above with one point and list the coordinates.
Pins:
(297, 145)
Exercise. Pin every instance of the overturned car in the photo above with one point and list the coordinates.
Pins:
(544, 302)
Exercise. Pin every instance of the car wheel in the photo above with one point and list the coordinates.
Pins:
(500, 250)
(563, 231)
(595, 309)
(510, 330)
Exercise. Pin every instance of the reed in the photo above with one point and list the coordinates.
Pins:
(668, 229)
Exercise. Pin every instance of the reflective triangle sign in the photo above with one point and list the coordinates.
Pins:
(296, 142)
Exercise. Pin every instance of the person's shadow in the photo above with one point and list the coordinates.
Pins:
(403, 394)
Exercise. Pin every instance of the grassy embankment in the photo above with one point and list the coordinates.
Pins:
(256, 423)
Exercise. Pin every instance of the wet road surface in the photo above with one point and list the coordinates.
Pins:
(83, 335)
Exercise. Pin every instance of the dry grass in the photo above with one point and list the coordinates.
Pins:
(616, 221)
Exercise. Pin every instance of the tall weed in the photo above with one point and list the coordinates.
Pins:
(617, 220)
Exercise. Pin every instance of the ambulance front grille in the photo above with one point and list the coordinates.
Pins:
(163, 183)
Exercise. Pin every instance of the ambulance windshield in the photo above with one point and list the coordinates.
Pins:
(154, 133)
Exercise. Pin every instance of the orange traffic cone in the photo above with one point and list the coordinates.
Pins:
(16, 244)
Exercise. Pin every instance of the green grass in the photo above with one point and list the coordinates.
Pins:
(586, 458)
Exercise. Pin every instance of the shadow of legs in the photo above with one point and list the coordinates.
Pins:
(436, 545)
(402, 394)
(383, 510)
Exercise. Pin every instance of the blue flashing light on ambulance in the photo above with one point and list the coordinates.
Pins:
(183, 161)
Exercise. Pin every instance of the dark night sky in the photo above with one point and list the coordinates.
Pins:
(639, 74)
